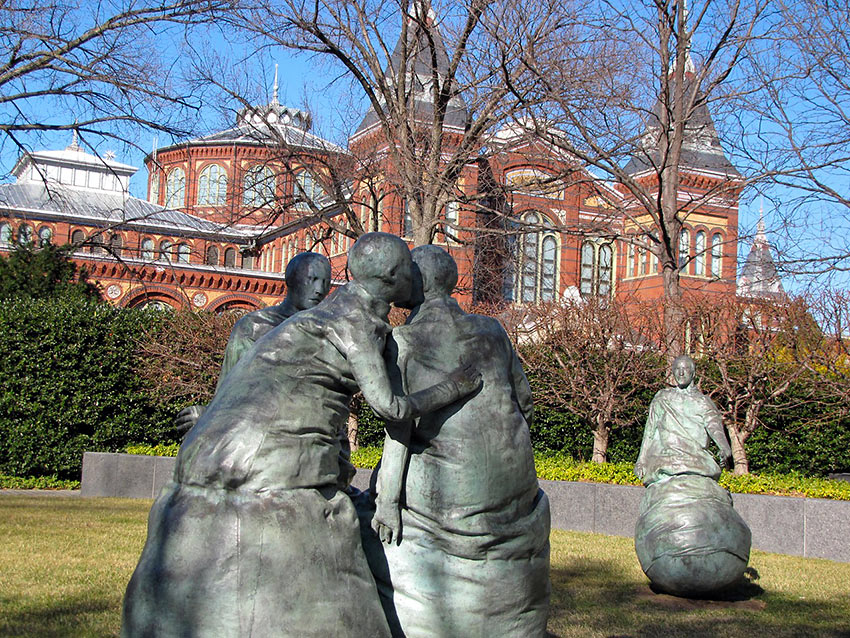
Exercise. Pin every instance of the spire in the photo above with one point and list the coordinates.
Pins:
(275, 101)
(75, 140)
(759, 277)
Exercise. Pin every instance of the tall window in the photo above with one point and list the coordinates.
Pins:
(165, 250)
(98, 245)
(153, 189)
(77, 238)
(183, 252)
(212, 256)
(258, 188)
(452, 214)
(699, 253)
(684, 248)
(230, 258)
(5, 234)
(147, 249)
(308, 189)
(630, 261)
(212, 186)
(597, 268)
(716, 255)
(532, 273)
(175, 189)
(25, 234)
(45, 236)
(116, 243)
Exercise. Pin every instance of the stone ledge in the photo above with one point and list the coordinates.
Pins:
(810, 527)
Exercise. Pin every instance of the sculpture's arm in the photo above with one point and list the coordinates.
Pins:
(646, 442)
(370, 372)
(522, 389)
(714, 428)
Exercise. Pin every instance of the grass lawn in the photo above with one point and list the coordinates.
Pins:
(64, 563)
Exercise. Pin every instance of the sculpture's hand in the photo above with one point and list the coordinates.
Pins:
(467, 378)
(187, 418)
(387, 523)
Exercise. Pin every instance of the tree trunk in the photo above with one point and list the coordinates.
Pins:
(352, 431)
(739, 453)
(674, 313)
(601, 434)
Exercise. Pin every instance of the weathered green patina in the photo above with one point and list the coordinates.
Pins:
(688, 538)
(255, 535)
(464, 523)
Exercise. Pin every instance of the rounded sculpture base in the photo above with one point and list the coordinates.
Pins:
(689, 540)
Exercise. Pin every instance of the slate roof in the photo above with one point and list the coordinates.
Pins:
(457, 113)
(759, 277)
(701, 149)
(105, 207)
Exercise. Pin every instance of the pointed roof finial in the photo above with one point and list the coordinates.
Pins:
(75, 140)
(761, 235)
(274, 88)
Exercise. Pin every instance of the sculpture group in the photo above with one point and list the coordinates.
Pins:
(259, 533)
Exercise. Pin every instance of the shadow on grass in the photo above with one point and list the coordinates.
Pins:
(601, 598)
(58, 619)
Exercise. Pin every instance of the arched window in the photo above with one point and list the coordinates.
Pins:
(308, 189)
(212, 186)
(248, 261)
(630, 261)
(5, 234)
(24, 234)
(116, 244)
(597, 268)
(699, 253)
(175, 189)
(212, 256)
(45, 236)
(98, 247)
(684, 249)
(642, 260)
(147, 249)
(165, 250)
(716, 255)
(258, 188)
(532, 274)
(77, 238)
(230, 258)
(183, 252)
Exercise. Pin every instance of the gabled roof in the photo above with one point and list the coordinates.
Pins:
(419, 69)
(759, 277)
(701, 149)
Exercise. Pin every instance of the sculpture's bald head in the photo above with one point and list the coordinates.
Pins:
(381, 263)
(308, 279)
(684, 370)
(438, 269)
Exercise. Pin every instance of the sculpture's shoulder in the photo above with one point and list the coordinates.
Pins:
(255, 324)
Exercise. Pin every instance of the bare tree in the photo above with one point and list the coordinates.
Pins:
(634, 105)
(93, 67)
(592, 361)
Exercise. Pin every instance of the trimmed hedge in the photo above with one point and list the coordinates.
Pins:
(37, 483)
(69, 385)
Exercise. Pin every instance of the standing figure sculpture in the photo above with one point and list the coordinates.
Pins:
(689, 540)
(464, 523)
(308, 281)
(254, 537)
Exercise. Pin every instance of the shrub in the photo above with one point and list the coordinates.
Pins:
(69, 385)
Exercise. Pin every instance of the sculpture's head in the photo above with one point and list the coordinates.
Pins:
(381, 263)
(684, 369)
(308, 279)
(437, 268)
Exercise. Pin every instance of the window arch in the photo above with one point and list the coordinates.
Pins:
(684, 248)
(5, 234)
(175, 189)
(212, 186)
(716, 255)
(78, 237)
(183, 253)
(116, 244)
(230, 258)
(258, 186)
(532, 274)
(165, 250)
(212, 256)
(699, 253)
(45, 236)
(147, 249)
(24, 234)
(597, 268)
